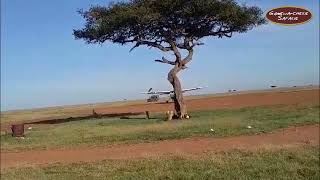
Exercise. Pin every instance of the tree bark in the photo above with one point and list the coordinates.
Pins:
(179, 104)
(179, 64)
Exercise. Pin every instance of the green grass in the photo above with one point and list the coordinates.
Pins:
(290, 163)
(16, 116)
(110, 131)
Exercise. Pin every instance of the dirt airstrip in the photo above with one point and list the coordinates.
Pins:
(310, 96)
(294, 136)
(295, 96)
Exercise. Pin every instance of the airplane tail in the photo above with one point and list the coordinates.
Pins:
(150, 89)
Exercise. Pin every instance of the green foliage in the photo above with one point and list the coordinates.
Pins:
(154, 22)
(292, 163)
(115, 131)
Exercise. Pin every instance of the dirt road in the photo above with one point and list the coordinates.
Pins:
(228, 101)
(294, 136)
(233, 100)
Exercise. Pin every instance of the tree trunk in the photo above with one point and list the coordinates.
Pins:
(179, 104)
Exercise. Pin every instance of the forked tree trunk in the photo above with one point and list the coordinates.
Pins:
(179, 104)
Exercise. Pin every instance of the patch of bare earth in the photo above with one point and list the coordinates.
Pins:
(293, 136)
(302, 97)
(292, 97)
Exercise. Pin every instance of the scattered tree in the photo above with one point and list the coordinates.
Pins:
(170, 26)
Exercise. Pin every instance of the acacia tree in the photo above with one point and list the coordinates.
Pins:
(170, 26)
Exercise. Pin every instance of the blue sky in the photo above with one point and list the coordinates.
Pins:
(43, 65)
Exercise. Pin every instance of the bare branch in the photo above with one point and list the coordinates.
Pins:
(155, 44)
(220, 33)
(189, 43)
(187, 59)
(166, 61)
(186, 43)
(197, 44)
(184, 67)
(135, 46)
(228, 35)
(175, 50)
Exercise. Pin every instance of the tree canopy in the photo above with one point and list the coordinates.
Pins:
(167, 24)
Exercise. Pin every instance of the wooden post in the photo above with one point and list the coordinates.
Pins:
(95, 114)
(17, 130)
(147, 115)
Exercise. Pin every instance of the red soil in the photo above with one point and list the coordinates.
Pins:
(289, 97)
(230, 101)
(294, 136)
(191, 146)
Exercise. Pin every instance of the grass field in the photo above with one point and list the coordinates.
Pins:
(60, 111)
(16, 116)
(96, 132)
(291, 163)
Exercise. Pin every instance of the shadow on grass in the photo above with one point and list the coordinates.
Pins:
(97, 116)
(126, 117)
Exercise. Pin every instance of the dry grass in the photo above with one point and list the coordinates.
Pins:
(288, 163)
(82, 110)
(110, 131)
(61, 111)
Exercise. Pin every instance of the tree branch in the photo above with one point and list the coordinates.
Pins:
(176, 51)
(166, 61)
(151, 44)
(220, 33)
(197, 44)
(186, 44)
(187, 59)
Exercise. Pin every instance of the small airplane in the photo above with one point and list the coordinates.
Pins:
(155, 95)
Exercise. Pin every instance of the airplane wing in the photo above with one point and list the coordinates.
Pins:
(191, 89)
(164, 92)
(158, 92)
(169, 92)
